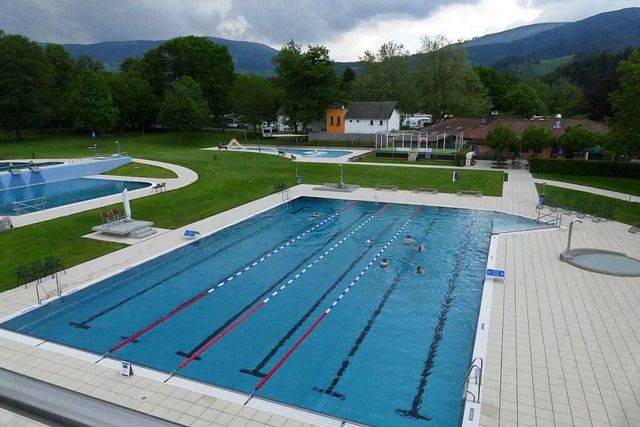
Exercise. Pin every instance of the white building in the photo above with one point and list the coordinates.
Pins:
(371, 117)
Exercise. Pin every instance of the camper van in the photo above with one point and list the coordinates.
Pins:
(417, 121)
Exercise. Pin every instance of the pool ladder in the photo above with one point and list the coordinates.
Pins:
(553, 217)
(474, 379)
(30, 205)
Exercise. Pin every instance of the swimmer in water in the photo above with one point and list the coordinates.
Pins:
(420, 270)
(384, 263)
(314, 215)
(408, 240)
(420, 248)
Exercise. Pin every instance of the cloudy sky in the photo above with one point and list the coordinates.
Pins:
(347, 28)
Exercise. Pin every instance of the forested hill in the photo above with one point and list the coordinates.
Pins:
(513, 34)
(611, 31)
(248, 56)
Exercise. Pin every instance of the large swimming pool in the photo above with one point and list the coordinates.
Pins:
(294, 306)
(61, 193)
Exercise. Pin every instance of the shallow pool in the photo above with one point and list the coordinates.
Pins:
(302, 152)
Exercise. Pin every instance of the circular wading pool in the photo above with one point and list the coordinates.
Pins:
(601, 261)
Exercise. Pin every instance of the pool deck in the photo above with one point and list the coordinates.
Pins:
(563, 343)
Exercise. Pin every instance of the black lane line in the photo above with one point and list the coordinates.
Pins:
(256, 371)
(330, 390)
(414, 411)
(84, 324)
(266, 292)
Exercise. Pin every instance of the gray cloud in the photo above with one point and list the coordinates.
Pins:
(272, 22)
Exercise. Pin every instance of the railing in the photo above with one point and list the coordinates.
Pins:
(474, 378)
(30, 205)
(553, 216)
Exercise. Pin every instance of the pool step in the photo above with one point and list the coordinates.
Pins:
(142, 233)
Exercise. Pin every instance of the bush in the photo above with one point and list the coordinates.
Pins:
(584, 168)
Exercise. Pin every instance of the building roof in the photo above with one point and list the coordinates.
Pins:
(370, 110)
(478, 128)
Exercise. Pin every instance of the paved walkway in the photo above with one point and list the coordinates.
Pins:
(607, 193)
(564, 343)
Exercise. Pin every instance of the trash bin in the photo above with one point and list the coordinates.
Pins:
(506, 177)
(298, 180)
(461, 163)
(541, 197)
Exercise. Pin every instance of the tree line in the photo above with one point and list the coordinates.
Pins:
(190, 82)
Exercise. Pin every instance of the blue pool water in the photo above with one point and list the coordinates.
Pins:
(62, 193)
(230, 308)
(302, 152)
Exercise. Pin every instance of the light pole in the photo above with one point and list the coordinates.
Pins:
(341, 185)
(118, 145)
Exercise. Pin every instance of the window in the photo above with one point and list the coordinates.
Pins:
(331, 121)
(371, 123)
(380, 122)
(338, 120)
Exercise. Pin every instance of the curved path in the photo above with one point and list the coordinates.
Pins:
(185, 177)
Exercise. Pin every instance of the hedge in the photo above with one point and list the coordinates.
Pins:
(585, 168)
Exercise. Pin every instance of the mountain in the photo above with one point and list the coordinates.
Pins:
(612, 31)
(513, 34)
(248, 56)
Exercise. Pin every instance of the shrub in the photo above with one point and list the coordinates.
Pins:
(584, 168)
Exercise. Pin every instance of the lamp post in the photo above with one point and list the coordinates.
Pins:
(341, 185)
(118, 145)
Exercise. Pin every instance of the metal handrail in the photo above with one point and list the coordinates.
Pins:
(475, 369)
(29, 205)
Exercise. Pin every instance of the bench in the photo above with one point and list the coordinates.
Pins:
(387, 187)
(425, 190)
(159, 186)
(469, 193)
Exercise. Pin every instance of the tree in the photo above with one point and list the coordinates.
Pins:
(500, 137)
(565, 98)
(348, 80)
(626, 107)
(89, 102)
(497, 85)
(255, 99)
(448, 85)
(184, 107)
(387, 77)
(135, 100)
(207, 63)
(63, 74)
(578, 138)
(308, 80)
(522, 100)
(25, 81)
(537, 138)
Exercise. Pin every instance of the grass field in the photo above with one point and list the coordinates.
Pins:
(226, 179)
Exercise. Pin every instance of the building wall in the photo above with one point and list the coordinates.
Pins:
(61, 172)
(335, 120)
(373, 125)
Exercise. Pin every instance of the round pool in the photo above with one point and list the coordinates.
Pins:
(601, 261)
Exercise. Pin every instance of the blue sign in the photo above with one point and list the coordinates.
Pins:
(93, 134)
(495, 273)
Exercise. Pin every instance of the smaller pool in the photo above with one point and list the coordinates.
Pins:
(302, 152)
(602, 261)
(62, 193)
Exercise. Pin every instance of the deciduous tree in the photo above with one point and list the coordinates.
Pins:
(626, 107)
(89, 102)
(537, 138)
(500, 137)
(184, 108)
(255, 99)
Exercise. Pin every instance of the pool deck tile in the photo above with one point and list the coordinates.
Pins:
(564, 343)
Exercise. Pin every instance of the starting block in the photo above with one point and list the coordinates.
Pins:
(190, 234)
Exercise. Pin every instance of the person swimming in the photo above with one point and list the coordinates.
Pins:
(314, 215)
(420, 248)
(384, 263)
(408, 240)
(420, 270)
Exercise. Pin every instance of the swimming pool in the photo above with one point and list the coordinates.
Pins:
(65, 192)
(302, 152)
(296, 309)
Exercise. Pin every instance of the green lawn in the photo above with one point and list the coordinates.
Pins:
(226, 179)
(592, 204)
(622, 185)
(142, 170)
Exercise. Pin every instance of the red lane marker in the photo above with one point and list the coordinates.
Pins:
(290, 352)
(417, 212)
(349, 206)
(220, 335)
(157, 322)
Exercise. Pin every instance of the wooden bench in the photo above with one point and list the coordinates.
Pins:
(425, 190)
(387, 187)
(469, 193)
